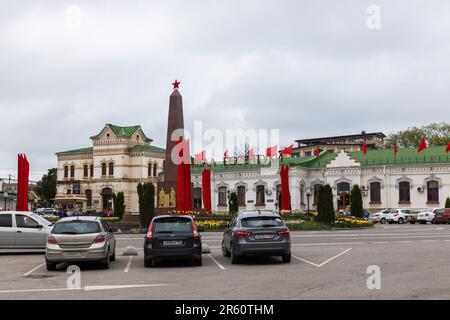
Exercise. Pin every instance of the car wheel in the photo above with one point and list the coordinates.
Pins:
(433, 221)
(105, 263)
(113, 257)
(422, 222)
(234, 257)
(51, 266)
(148, 263)
(448, 221)
(412, 222)
(225, 252)
(197, 262)
(401, 221)
(383, 220)
(286, 258)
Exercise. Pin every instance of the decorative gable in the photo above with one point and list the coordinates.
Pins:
(343, 160)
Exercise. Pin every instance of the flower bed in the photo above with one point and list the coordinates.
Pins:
(351, 222)
(56, 218)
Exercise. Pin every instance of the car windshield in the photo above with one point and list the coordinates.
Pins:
(262, 222)
(39, 219)
(76, 227)
(172, 225)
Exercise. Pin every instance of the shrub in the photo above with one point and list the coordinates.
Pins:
(119, 204)
(146, 194)
(356, 205)
(233, 202)
(325, 207)
(447, 202)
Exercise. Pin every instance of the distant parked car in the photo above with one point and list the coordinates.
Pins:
(46, 211)
(79, 239)
(23, 230)
(401, 216)
(380, 216)
(428, 216)
(252, 233)
(173, 237)
(442, 217)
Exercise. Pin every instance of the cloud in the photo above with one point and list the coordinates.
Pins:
(307, 68)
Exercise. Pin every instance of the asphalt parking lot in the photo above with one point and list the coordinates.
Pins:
(413, 259)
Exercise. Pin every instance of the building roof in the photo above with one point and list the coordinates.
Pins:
(88, 150)
(359, 135)
(140, 148)
(123, 132)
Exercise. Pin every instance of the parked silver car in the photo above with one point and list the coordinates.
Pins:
(23, 230)
(79, 239)
(252, 233)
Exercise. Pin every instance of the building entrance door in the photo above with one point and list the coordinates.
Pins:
(106, 199)
(343, 195)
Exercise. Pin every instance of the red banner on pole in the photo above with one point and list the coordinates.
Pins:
(206, 190)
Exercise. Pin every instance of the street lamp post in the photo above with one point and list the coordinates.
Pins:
(308, 194)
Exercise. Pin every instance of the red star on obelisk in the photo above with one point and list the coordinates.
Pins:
(176, 84)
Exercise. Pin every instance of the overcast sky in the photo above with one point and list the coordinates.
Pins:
(308, 68)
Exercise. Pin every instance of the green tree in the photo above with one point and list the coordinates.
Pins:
(447, 202)
(233, 202)
(146, 194)
(356, 203)
(119, 204)
(46, 187)
(325, 207)
(437, 134)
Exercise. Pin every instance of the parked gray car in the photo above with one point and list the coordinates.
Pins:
(252, 233)
(23, 230)
(79, 239)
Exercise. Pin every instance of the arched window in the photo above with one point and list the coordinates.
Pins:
(223, 196)
(241, 195)
(375, 192)
(111, 169)
(155, 168)
(85, 170)
(433, 191)
(103, 169)
(302, 194)
(197, 195)
(92, 170)
(149, 170)
(88, 194)
(72, 171)
(404, 192)
(66, 171)
(316, 193)
(278, 193)
(260, 196)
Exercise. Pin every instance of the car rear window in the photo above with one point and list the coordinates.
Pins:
(76, 227)
(262, 222)
(172, 225)
(6, 220)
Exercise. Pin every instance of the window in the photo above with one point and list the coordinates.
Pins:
(72, 171)
(103, 169)
(85, 170)
(404, 192)
(260, 196)
(5, 221)
(111, 169)
(76, 227)
(302, 194)
(171, 225)
(155, 167)
(375, 192)
(68, 191)
(433, 191)
(223, 196)
(92, 170)
(25, 222)
(263, 222)
(197, 198)
(149, 170)
(316, 193)
(307, 153)
(278, 193)
(88, 194)
(66, 171)
(241, 195)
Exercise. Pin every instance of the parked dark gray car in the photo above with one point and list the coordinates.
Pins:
(172, 237)
(252, 233)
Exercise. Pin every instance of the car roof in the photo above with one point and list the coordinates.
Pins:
(173, 216)
(257, 213)
(80, 218)
(16, 212)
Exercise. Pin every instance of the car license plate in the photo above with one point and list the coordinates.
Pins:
(263, 236)
(75, 254)
(172, 243)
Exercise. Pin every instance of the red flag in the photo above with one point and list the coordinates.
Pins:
(395, 150)
(250, 152)
(271, 151)
(22, 183)
(288, 150)
(423, 146)
(448, 148)
(206, 190)
(184, 196)
(200, 156)
(225, 154)
(364, 148)
(285, 194)
(317, 152)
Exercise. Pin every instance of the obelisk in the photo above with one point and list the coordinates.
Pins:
(175, 123)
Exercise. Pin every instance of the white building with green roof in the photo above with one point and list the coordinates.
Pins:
(117, 160)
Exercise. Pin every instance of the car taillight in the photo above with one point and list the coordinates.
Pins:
(150, 231)
(284, 233)
(51, 239)
(194, 231)
(100, 238)
(242, 234)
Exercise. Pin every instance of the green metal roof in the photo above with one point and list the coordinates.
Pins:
(76, 151)
(147, 148)
(123, 132)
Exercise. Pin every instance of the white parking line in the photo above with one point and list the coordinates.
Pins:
(380, 242)
(89, 288)
(326, 261)
(428, 241)
(127, 268)
(33, 270)
(216, 262)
